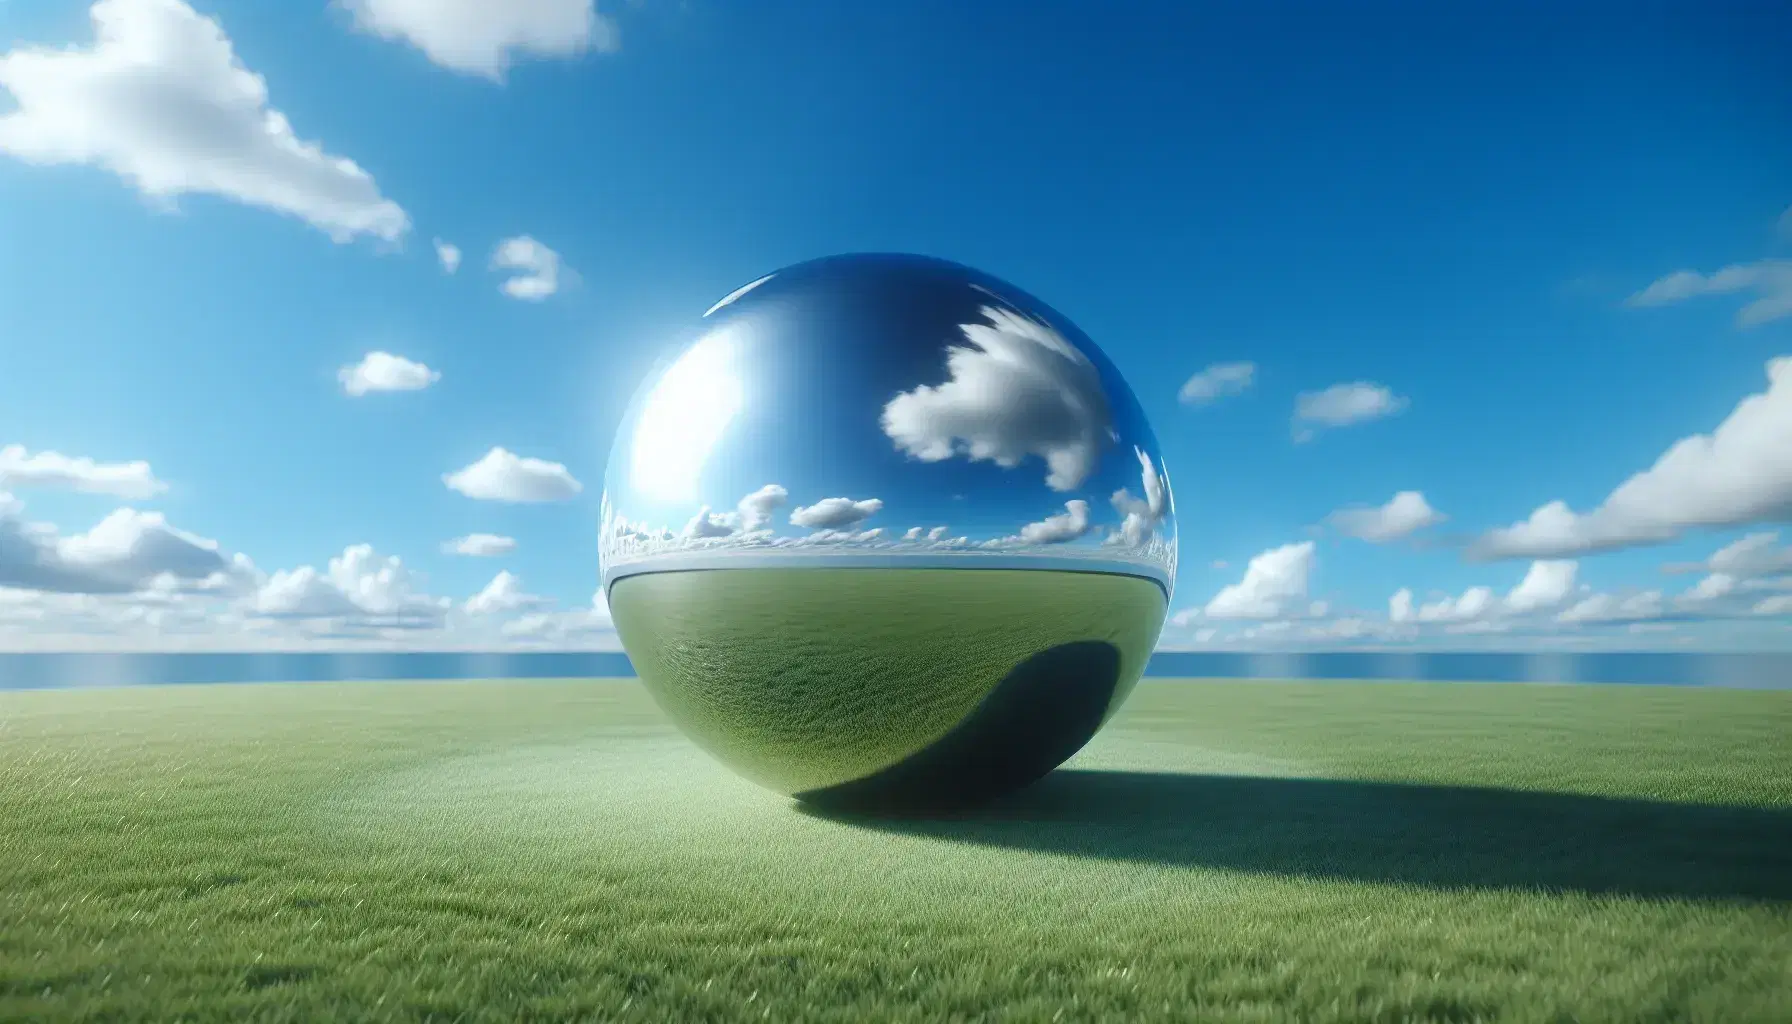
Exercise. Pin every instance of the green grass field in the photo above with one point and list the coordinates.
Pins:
(1223, 851)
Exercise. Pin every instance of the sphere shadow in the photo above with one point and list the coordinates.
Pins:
(1444, 837)
(1041, 713)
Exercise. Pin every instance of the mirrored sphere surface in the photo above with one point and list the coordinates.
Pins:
(887, 529)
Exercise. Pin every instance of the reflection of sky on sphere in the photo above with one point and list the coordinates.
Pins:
(870, 409)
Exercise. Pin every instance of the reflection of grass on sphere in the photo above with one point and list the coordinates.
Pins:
(1235, 851)
(807, 677)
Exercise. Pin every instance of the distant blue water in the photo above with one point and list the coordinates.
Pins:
(40, 671)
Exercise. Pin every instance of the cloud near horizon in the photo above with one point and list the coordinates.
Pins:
(1739, 474)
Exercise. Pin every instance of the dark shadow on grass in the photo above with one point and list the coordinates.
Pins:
(1445, 837)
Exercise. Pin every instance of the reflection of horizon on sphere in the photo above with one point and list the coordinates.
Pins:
(791, 502)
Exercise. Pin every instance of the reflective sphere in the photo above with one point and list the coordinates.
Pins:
(888, 530)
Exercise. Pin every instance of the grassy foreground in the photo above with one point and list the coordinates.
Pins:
(1223, 851)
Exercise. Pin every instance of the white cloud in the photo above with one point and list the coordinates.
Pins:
(1280, 629)
(1769, 280)
(133, 583)
(383, 371)
(161, 100)
(53, 470)
(935, 536)
(751, 515)
(1275, 582)
(125, 552)
(1549, 607)
(480, 545)
(564, 629)
(1404, 514)
(1736, 575)
(1349, 628)
(1018, 388)
(1217, 381)
(1607, 608)
(535, 270)
(484, 37)
(1474, 603)
(755, 509)
(448, 255)
(834, 513)
(1756, 554)
(159, 618)
(1740, 473)
(502, 476)
(1141, 517)
(1342, 405)
(1400, 607)
(710, 524)
(830, 538)
(545, 626)
(357, 585)
(1711, 588)
(1547, 584)
(1062, 528)
(504, 594)
(1780, 604)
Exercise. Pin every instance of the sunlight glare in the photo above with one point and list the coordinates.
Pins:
(684, 418)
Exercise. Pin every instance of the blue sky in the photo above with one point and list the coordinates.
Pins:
(1557, 239)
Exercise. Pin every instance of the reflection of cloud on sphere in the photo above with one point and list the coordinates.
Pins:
(1142, 517)
(920, 533)
(756, 508)
(834, 513)
(831, 537)
(1017, 389)
(709, 524)
(1062, 528)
